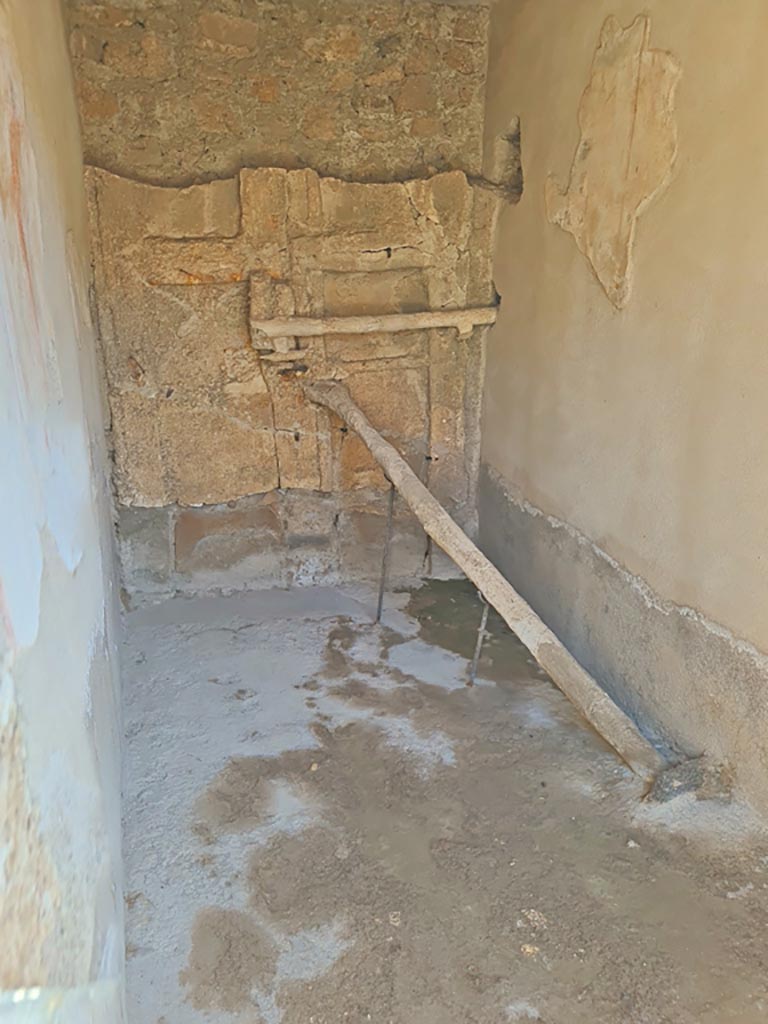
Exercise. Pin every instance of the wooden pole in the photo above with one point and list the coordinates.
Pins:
(574, 681)
(464, 320)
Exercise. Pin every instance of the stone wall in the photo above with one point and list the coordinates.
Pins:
(207, 410)
(190, 90)
(195, 241)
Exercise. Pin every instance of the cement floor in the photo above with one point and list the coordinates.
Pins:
(324, 824)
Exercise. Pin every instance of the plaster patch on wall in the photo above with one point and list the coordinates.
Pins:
(625, 155)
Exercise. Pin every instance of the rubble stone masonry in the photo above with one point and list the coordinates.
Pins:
(183, 91)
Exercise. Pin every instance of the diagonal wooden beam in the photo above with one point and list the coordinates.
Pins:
(575, 682)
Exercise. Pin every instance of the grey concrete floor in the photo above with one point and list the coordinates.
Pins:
(324, 824)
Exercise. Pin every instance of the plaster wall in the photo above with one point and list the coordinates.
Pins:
(60, 898)
(627, 413)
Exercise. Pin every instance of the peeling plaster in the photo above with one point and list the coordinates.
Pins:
(625, 155)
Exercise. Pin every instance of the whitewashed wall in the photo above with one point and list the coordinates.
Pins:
(60, 898)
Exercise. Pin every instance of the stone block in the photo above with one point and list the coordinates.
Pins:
(297, 459)
(416, 94)
(471, 25)
(196, 330)
(191, 262)
(145, 548)
(96, 103)
(137, 53)
(308, 514)
(408, 347)
(295, 422)
(362, 534)
(264, 205)
(310, 531)
(130, 210)
(200, 211)
(191, 344)
(448, 478)
(465, 57)
(285, 378)
(354, 466)
(339, 43)
(265, 88)
(305, 209)
(135, 435)
(394, 399)
(268, 299)
(387, 75)
(392, 291)
(367, 210)
(452, 199)
(210, 457)
(320, 123)
(426, 127)
(86, 45)
(215, 540)
(485, 214)
(244, 391)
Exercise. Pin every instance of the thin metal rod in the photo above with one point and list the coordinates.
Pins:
(385, 556)
(479, 641)
(428, 550)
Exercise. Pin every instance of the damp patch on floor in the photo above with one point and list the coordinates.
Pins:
(324, 823)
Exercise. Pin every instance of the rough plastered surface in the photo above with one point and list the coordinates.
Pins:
(206, 410)
(60, 860)
(625, 154)
(189, 90)
(324, 823)
(694, 688)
